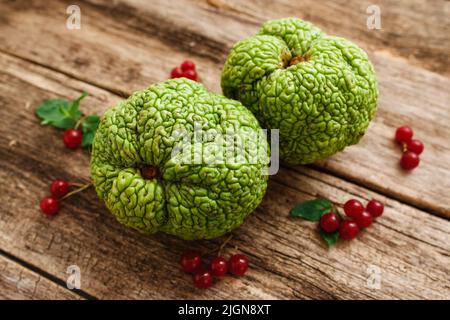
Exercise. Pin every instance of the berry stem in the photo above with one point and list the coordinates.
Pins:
(76, 184)
(79, 122)
(222, 246)
(71, 193)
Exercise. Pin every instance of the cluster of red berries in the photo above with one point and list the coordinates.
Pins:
(358, 218)
(411, 148)
(186, 70)
(59, 190)
(72, 138)
(50, 204)
(191, 262)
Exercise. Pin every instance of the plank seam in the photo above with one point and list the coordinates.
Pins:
(119, 93)
(369, 187)
(45, 274)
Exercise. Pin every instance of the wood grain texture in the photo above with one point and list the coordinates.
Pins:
(288, 260)
(18, 283)
(124, 46)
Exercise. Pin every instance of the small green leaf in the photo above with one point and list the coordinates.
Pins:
(76, 103)
(330, 238)
(60, 113)
(312, 210)
(89, 127)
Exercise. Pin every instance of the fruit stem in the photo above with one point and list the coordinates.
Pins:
(222, 246)
(78, 123)
(76, 184)
(71, 193)
(299, 59)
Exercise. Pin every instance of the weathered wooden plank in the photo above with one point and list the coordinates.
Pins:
(18, 282)
(125, 47)
(288, 260)
(415, 30)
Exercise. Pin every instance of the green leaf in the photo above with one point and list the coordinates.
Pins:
(60, 113)
(76, 103)
(330, 238)
(312, 210)
(89, 127)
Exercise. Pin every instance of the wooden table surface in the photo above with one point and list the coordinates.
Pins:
(124, 46)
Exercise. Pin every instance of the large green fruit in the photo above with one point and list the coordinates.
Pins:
(319, 91)
(150, 188)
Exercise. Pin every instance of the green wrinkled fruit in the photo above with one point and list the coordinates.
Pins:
(319, 91)
(150, 188)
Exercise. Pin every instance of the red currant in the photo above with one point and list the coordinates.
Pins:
(375, 208)
(72, 138)
(348, 230)
(415, 146)
(403, 134)
(176, 73)
(59, 188)
(353, 208)
(329, 222)
(364, 220)
(203, 278)
(219, 266)
(187, 65)
(409, 160)
(238, 264)
(190, 261)
(190, 74)
(49, 206)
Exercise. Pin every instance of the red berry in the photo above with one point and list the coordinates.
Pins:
(238, 264)
(187, 65)
(364, 220)
(190, 261)
(348, 230)
(59, 188)
(219, 266)
(190, 74)
(176, 73)
(403, 134)
(202, 278)
(375, 208)
(415, 146)
(353, 208)
(72, 138)
(409, 160)
(49, 206)
(329, 222)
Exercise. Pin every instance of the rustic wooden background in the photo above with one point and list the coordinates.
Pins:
(125, 46)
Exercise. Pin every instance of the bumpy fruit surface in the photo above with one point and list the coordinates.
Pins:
(149, 186)
(320, 91)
